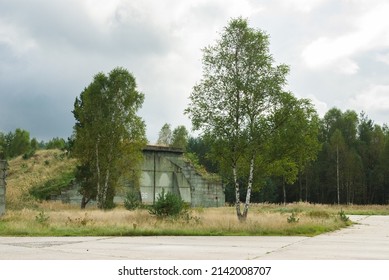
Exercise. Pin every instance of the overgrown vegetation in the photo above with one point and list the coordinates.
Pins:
(45, 171)
(53, 186)
(57, 219)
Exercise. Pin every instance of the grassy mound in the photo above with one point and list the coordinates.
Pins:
(25, 175)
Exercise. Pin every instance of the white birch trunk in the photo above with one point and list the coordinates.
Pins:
(99, 200)
(337, 172)
(249, 188)
(105, 188)
(237, 192)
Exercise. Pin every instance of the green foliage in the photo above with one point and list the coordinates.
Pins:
(52, 187)
(241, 107)
(108, 134)
(56, 143)
(292, 219)
(132, 200)
(42, 218)
(15, 143)
(200, 148)
(167, 205)
(180, 137)
(176, 139)
(343, 217)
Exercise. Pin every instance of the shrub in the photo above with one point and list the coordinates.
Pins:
(293, 218)
(29, 154)
(42, 218)
(132, 200)
(343, 216)
(52, 187)
(167, 205)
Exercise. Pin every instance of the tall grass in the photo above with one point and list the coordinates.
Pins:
(56, 219)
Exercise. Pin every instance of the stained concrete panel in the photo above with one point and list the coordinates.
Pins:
(3, 170)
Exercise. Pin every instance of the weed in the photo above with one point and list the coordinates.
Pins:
(292, 219)
(42, 218)
(81, 221)
(343, 216)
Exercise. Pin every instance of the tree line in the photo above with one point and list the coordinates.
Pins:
(351, 165)
(19, 142)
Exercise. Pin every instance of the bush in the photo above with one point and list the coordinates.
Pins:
(343, 216)
(292, 219)
(29, 154)
(132, 200)
(52, 187)
(167, 205)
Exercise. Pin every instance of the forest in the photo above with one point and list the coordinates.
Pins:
(351, 166)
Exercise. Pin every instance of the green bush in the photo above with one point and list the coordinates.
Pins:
(343, 216)
(42, 218)
(292, 219)
(132, 200)
(167, 205)
(52, 187)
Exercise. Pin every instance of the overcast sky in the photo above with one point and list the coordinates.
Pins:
(338, 52)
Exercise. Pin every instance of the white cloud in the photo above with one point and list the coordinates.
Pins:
(370, 31)
(304, 6)
(321, 106)
(383, 58)
(16, 39)
(376, 98)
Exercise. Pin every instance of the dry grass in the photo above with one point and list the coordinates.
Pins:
(23, 174)
(62, 219)
(25, 216)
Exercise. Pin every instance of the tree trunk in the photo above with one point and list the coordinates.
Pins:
(105, 190)
(237, 192)
(284, 190)
(306, 186)
(300, 187)
(337, 173)
(99, 198)
(84, 202)
(249, 188)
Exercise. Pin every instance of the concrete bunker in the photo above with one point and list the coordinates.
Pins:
(3, 174)
(166, 168)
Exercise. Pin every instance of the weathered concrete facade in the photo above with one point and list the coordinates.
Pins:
(3, 173)
(165, 168)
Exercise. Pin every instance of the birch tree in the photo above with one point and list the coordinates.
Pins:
(108, 133)
(239, 102)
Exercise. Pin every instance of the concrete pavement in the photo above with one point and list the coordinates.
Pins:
(369, 239)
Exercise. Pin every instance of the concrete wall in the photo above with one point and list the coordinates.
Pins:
(3, 173)
(166, 168)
